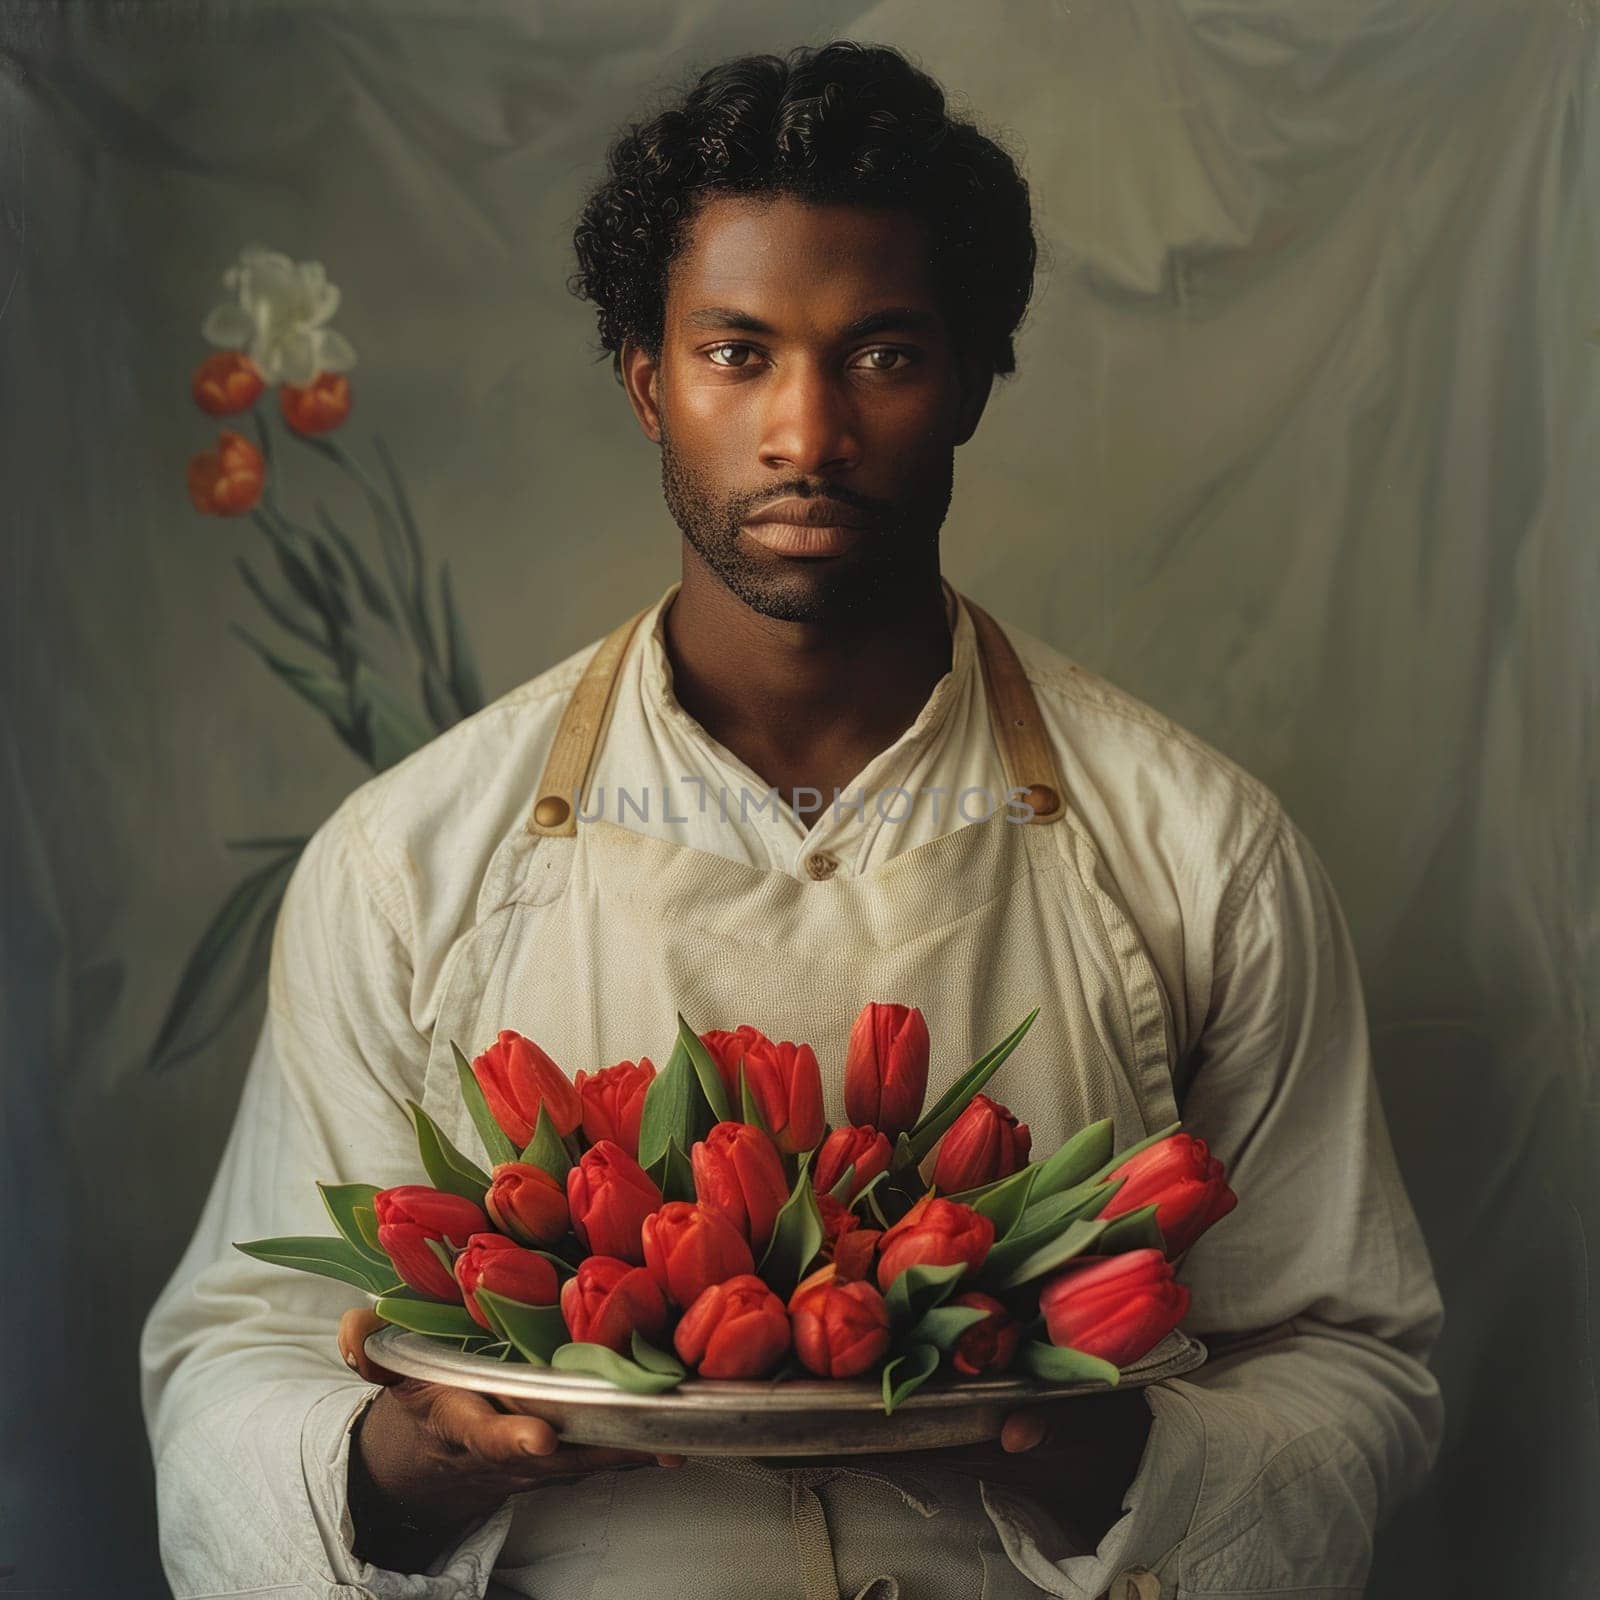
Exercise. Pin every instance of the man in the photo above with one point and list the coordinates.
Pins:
(809, 275)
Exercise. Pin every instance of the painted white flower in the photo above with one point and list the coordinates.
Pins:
(280, 318)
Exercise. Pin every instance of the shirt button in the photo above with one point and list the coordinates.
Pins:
(822, 865)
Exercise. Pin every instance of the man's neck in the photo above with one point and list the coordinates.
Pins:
(804, 702)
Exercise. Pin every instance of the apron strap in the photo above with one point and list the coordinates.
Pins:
(1026, 755)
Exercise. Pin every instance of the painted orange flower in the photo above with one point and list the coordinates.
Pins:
(227, 481)
(319, 407)
(227, 382)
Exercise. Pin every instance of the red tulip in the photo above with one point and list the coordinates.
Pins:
(734, 1329)
(527, 1203)
(854, 1252)
(609, 1195)
(983, 1144)
(607, 1299)
(227, 481)
(319, 407)
(227, 381)
(493, 1262)
(1114, 1307)
(517, 1077)
(1184, 1181)
(986, 1346)
(867, 1150)
(738, 1171)
(689, 1247)
(840, 1329)
(886, 1068)
(613, 1102)
(934, 1233)
(412, 1214)
(785, 1083)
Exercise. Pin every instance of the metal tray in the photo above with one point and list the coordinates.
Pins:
(792, 1417)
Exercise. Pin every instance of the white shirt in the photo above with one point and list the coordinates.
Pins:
(1265, 1473)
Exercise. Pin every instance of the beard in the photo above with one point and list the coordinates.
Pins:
(900, 544)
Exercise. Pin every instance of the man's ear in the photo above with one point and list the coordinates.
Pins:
(976, 379)
(640, 376)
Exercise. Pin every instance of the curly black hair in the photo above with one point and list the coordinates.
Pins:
(841, 122)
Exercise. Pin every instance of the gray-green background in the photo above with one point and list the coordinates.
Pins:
(1301, 450)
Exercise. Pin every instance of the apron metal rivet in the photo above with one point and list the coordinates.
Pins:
(1041, 799)
(551, 811)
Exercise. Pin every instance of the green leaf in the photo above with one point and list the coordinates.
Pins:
(236, 944)
(1133, 1230)
(327, 1258)
(1086, 1201)
(797, 1236)
(1076, 1160)
(446, 1167)
(372, 591)
(907, 1373)
(917, 1290)
(600, 1362)
(1115, 1161)
(705, 1070)
(389, 727)
(328, 695)
(342, 1201)
(496, 1146)
(943, 1325)
(1003, 1201)
(413, 538)
(536, 1331)
(547, 1150)
(841, 1190)
(465, 684)
(953, 1101)
(1014, 1269)
(673, 1174)
(280, 613)
(366, 1221)
(1058, 1364)
(750, 1106)
(675, 1110)
(438, 1319)
(654, 1360)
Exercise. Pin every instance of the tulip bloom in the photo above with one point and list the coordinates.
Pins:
(1114, 1307)
(226, 382)
(227, 481)
(986, 1346)
(853, 1253)
(613, 1102)
(608, 1299)
(840, 1329)
(983, 1144)
(867, 1150)
(1184, 1181)
(493, 1262)
(412, 1214)
(319, 407)
(738, 1171)
(517, 1077)
(934, 1233)
(735, 1329)
(886, 1068)
(609, 1195)
(785, 1083)
(689, 1247)
(527, 1203)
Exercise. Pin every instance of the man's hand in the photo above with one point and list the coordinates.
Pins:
(427, 1460)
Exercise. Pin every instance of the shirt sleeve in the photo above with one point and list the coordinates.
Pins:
(248, 1404)
(1268, 1470)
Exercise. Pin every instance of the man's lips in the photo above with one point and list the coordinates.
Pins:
(806, 528)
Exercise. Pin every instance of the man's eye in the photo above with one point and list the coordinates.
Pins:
(717, 349)
(889, 352)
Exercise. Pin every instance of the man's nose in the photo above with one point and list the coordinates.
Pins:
(810, 422)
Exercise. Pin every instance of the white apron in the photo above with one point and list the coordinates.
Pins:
(589, 937)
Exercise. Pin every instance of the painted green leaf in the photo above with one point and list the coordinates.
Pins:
(446, 1167)
(1133, 1230)
(536, 1331)
(1076, 1161)
(433, 1317)
(797, 1236)
(465, 683)
(1046, 1257)
(547, 1150)
(705, 1069)
(906, 1374)
(342, 1201)
(654, 1360)
(599, 1362)
(327, 1258)
(954, 1100)
(943, 1325)
(917, 1290)
(1061, 1365)
(496, 1146)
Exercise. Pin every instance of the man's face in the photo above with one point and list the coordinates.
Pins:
(805, 360)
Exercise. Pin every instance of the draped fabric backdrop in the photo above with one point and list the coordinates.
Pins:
(1302, 450)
